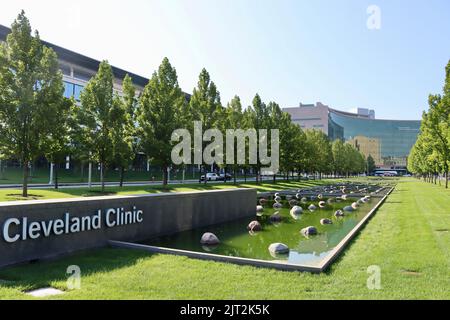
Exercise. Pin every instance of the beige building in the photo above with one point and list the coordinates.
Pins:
(368, 146)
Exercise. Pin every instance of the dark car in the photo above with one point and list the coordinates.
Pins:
(224, 176)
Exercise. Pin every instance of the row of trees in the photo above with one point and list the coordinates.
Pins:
(110, 128)
(430, 156)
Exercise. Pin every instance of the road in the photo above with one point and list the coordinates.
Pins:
(115, 184)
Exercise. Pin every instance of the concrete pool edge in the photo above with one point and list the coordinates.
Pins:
(281, 265)
(335, 253)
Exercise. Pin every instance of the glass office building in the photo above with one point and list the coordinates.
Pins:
(387, 141)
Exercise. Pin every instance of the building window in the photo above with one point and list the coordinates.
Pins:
(82, 75)
(77, 92)
(65, 69)
(68, 89)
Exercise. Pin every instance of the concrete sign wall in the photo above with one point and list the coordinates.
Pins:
(33, 230)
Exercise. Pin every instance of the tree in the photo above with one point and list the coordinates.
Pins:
(258, 117)
(322, 157)
(339, 157)
(370, 164)
(95, 118)
(31, 94)
(161, 111)
(205, 105)
(433, 143)
(56, 144)
(235, 120)
(123, 129)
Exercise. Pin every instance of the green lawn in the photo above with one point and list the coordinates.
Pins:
(40, 194)
(408, 239)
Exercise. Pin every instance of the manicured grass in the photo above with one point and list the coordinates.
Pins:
(40, 194)
(13, 175)
(408, 239)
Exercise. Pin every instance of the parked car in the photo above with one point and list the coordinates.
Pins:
(225, 176)
(211, 176)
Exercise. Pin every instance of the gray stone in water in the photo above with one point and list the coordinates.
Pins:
(254, 226)
(309, 231)
(277, 205)
(259, 209)
(293, 203)
(344, 197)
(349, 209)
(276, 217)
(312, 208)
(322, 204)
(339, 213)
(319, 196)
(276, 194)
(262, 201)
(304, 200)
(288, 197)
(298, 196)
(296, 210)
(209, 239)
(278, 248)
(331, 200)
(325, 222)
(355, 205)
(277, 198)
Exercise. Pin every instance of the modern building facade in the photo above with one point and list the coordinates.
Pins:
(387, 141)
(78, 69)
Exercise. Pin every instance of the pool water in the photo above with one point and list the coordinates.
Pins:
(237, 241)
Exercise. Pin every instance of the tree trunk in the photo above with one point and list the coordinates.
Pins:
(245, 175)
(55, 171)
(235, 174)
(257, 175)
(165, 175)
(122, 173)
(102, 176)
(206, 171)
(446, 179)
(25, 179)
(225, 175)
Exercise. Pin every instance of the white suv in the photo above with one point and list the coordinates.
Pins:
(210, 177)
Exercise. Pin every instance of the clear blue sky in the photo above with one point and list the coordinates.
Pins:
(288, 51)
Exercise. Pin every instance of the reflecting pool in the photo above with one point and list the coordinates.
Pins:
(237, 241)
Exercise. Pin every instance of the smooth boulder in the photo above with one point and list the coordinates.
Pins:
(309, 231)
(312, 208)
(322, 204)
(296, 210)
(259, 209)
(277, 205)
(325, 222)
(276, 217)
(339, 213)
(254, 226)
(209, 239)
(349, 209)
(278, 248)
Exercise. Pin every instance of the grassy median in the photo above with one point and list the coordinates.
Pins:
(408, 239)
(41, 194)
